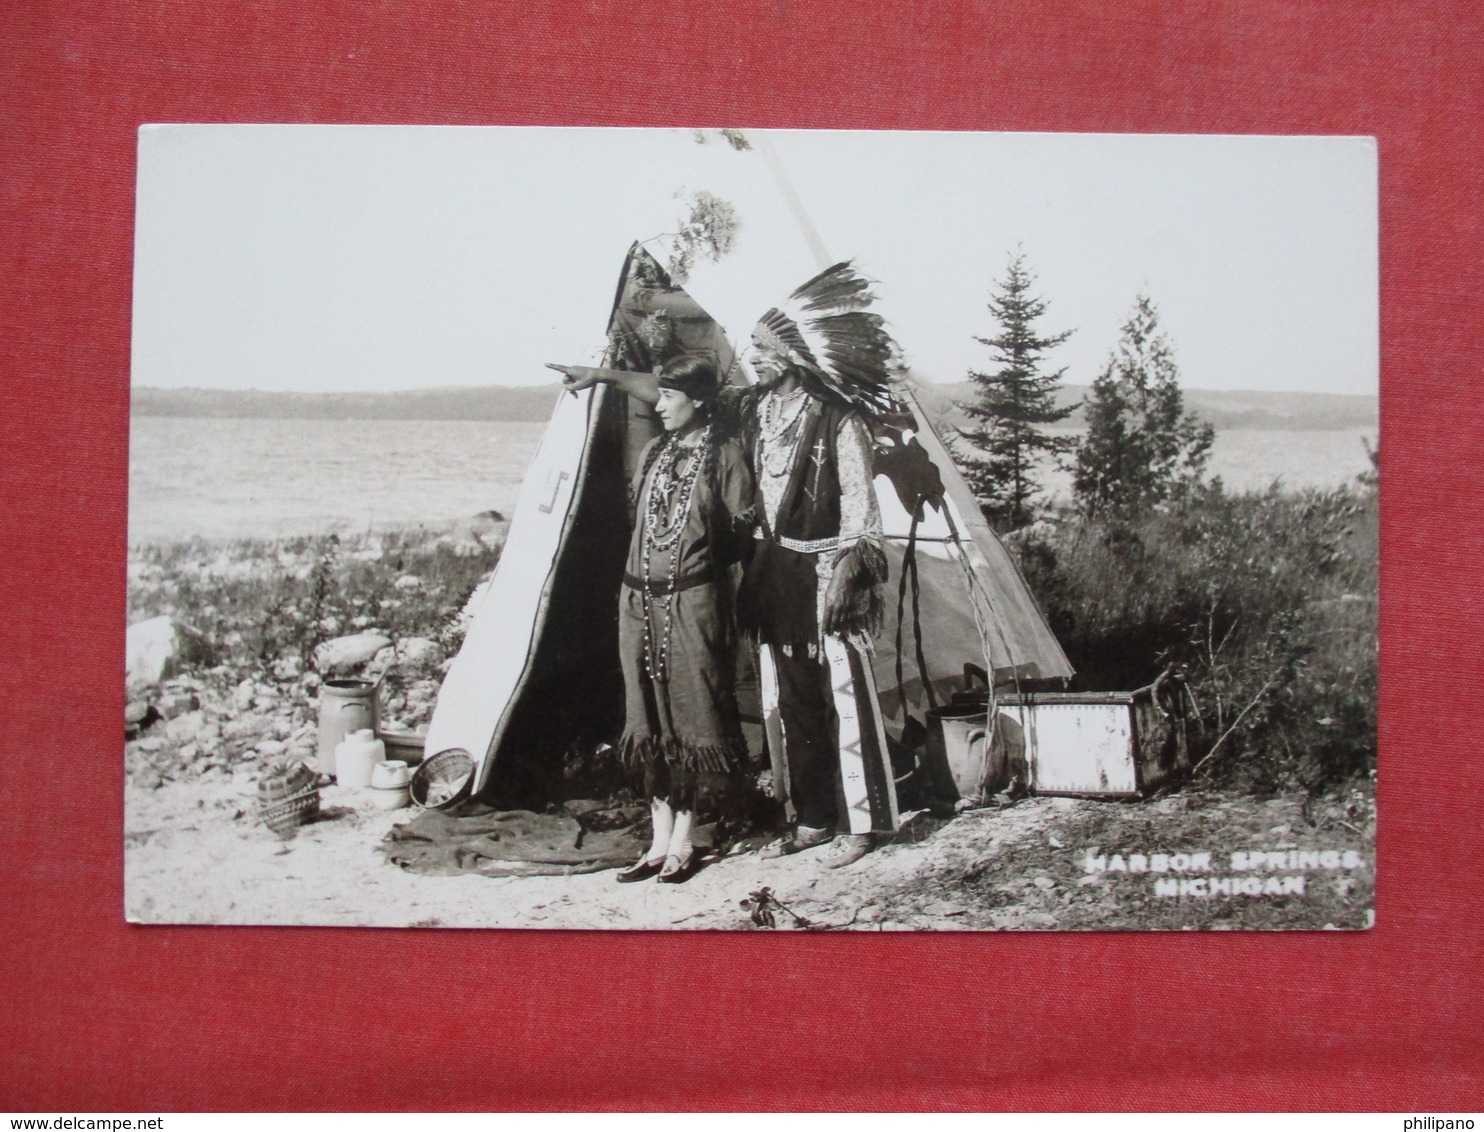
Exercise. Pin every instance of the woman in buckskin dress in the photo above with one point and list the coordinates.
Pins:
(694, 500)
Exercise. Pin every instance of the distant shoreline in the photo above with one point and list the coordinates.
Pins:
(480, 403)
(1225, 409)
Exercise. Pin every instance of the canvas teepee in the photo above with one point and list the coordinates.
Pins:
(537, 680)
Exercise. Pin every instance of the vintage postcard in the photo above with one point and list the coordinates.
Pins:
(752, 530)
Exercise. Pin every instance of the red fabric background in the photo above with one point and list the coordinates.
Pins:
(100, 1015)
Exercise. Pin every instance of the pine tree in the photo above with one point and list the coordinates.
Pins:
(1016, 403)
(1141, 447)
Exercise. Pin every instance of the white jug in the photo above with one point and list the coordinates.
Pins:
(356, 758)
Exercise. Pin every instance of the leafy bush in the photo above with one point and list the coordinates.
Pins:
(1265, 603)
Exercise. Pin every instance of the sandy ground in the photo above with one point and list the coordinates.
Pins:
(196, 854)
(191, 859)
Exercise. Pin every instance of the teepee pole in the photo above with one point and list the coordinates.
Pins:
(795, 205)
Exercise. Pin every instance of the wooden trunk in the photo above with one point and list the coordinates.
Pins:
(1096, 744)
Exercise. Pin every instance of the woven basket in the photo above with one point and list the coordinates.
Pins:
(287, 799)
(443, 780)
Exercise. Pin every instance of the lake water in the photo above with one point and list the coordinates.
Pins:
(253, 477)
(262, 478)
(1250, 459)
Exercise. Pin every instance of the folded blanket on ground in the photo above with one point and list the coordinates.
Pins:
(473, 838)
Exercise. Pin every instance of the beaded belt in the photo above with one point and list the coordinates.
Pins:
(799, 545)
(664, 587)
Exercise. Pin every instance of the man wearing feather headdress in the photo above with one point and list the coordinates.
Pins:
(817, 570)
(823, 367)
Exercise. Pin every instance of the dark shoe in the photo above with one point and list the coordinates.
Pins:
(642, 869)
(805, 837)
(677, 871)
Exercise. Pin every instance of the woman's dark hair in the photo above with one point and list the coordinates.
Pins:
(692, 374)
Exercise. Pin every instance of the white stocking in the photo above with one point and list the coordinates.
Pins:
(663, 818)
(680, 845)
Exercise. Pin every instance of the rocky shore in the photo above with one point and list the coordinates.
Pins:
(228, 644)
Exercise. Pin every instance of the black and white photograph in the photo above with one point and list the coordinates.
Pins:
(749, 530)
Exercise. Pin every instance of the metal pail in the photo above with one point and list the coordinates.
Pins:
(961, 760)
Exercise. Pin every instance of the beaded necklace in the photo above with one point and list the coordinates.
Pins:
(781, 415)
(666, 508)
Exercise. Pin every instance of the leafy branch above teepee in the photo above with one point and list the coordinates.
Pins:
(1001, 456)
(707, 231)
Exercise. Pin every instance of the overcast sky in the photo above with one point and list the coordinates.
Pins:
(327, 258)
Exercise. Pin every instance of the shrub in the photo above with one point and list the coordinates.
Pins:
(1265, 603)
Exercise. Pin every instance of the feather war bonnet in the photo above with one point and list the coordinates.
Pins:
(842, 349)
